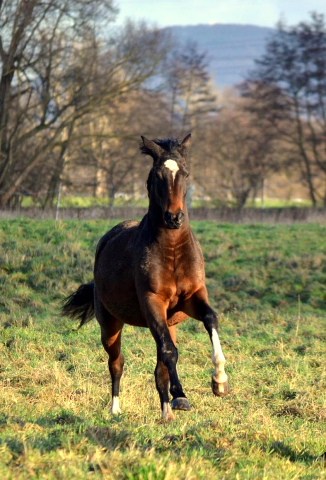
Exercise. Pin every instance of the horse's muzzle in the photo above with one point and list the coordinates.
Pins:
(174, 220)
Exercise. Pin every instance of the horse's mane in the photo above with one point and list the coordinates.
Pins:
(149, 180)
(168, 144)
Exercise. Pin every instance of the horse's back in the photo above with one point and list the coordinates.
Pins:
(123, 229)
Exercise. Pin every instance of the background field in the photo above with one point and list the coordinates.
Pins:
(269, 285)
(70, 201)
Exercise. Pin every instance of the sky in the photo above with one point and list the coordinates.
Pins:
(192, 12)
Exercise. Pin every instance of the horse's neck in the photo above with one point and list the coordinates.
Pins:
(154, 216)
(175, 239)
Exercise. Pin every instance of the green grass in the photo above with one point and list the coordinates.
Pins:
(86, 202)
(282, 203)
(269, 284)
(268, 203)
(69, 201)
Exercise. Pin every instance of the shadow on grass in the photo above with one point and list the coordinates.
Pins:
(56, 428)
(111, 438)
(43, 443)
(15, 446)
(51, 438)
(282, 450)
(115, 435)
(63, 418)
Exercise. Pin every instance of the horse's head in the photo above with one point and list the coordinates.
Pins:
(167, 181)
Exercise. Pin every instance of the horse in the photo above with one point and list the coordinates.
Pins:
(151, 274)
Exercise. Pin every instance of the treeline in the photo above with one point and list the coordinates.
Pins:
(76, 93)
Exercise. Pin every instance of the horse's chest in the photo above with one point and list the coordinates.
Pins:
(182, 285)
(175, 275)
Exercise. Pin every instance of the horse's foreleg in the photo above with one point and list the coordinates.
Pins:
(220, 384)
(162, 380)
(197, 307)
(162, 385)
(155, 313)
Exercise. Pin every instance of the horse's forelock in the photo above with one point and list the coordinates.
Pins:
(170, 145)
(167, 145)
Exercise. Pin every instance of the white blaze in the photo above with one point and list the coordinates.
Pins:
(173, 166)
(115, 406)
(218, 360)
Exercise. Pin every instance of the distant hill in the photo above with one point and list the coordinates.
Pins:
(231, 48)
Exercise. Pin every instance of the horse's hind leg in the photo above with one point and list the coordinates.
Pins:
(162, 380)
(111, 340)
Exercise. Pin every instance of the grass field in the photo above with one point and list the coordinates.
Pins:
(269, 285)
(70, 201)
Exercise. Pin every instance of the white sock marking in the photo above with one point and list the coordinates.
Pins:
(115, 406)
(173, 166)
(166, 412)
(218, 360)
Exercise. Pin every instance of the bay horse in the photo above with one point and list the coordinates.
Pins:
(151, 274)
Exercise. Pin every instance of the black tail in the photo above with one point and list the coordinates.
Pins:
(80, 304)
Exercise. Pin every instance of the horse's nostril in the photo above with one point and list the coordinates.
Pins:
(174, 220)
(180, 216)
(168, 217)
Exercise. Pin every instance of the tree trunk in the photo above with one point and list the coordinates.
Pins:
(304, 155)
(56, 177)
(241, 198)
(111, 196)
(23, 17)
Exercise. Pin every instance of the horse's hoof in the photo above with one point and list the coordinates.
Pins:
(180, 403)
(220, 389)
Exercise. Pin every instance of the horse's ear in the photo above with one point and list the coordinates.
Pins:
(185, 145)
(148, 147)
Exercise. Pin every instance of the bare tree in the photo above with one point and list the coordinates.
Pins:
(288, 90)
(236, 153)
(56, 70)
(190, 96)
(188, 87)
(106, 144)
